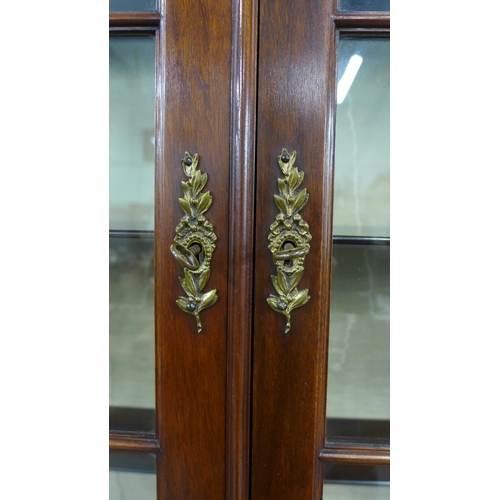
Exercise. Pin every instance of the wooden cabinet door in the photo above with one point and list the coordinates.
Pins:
(298, 49)
(196, 117)
(295, 111)
(206, 68)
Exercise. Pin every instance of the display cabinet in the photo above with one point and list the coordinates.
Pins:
(249, 249)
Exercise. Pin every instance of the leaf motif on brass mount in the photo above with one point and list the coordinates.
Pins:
(289, 240)
(194, 242)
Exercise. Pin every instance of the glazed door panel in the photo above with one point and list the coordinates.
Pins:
(191, 371)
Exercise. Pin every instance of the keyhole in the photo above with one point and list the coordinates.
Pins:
(197, 250)
(288, 245)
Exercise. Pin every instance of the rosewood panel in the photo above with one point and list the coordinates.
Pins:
(193, 114)
(295, 111)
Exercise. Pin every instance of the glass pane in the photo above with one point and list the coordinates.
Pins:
(132, 476)
(355, 482)
(364, 5)
(132, 420)
(358, 359)
(339, 491)
(124, 5)
(361, 197)
(131, 323)
(131, 132)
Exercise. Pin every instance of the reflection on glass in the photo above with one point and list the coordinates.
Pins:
(132, 476)
(124, 5)
(361, 197)
(131, 132)
(131, 323)
(132, 420)
(336, 491)
(364, 5)
(358, 358)
(355, 482)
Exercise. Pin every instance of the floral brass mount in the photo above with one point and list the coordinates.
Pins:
(289, 240)
(194, 242)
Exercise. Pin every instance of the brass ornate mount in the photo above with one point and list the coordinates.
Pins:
(289, 240)
(194, 242)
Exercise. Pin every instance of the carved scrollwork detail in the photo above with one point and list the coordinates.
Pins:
(194, 242)
(289, 240)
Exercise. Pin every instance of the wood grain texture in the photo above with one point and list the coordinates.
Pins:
(193, 114)
(241, 246)
(295, 111)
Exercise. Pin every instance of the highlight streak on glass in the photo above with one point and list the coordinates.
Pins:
(348, 77)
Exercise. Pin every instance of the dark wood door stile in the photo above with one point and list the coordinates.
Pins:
(295, 111)
(241, 207)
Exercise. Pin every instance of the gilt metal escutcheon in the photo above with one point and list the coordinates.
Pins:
(194, 242)
(289, 240)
